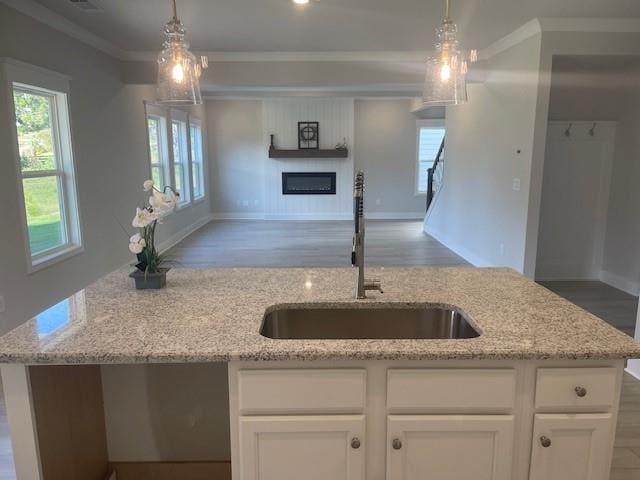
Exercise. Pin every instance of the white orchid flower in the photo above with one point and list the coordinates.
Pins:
(147, 185)
(143, 218)
(136, 248)
(136, 238)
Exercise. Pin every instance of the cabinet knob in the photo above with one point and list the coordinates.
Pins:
(355, 443)
(581, 391)
(545, 441)
(396, 444)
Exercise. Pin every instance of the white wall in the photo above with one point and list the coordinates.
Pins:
(575, 198)
(110, 153)
(385, 148)
(477, 213)
(237, 157)
(245, 183)
(575, 43)
(280, 116)
(607, 87)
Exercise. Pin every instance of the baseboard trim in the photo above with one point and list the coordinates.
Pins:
(395, 215)
(182, 234)
(621, 283)
(319, 217)
(469, 256)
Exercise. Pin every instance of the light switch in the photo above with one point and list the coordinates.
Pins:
(516, 184)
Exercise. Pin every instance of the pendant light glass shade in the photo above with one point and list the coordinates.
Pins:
(446, 79)
(178, 69)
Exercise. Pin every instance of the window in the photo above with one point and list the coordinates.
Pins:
(176, 157)
(157, 127)
(180, 159)
(197, 165)
(44, 158)
(430, 136)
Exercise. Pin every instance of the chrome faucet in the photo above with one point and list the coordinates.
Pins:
(357, 254)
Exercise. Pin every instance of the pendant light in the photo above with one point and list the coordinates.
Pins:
(178, 69)
(446, 79)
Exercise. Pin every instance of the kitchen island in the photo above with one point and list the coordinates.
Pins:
(533, 396)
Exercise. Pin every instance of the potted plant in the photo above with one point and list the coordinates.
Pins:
(149, 273)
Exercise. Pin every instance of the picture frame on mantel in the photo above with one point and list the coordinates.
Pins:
(308, 135)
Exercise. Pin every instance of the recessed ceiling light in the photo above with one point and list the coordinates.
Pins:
(300, 2)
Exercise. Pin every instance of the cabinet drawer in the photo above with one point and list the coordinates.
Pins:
(448, 390)
(301, 391)
(576, 389)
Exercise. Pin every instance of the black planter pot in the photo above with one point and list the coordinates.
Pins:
(150, 281)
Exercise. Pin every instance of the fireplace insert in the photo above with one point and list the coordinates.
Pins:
(308, 183)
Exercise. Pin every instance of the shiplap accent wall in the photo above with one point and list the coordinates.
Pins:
(336, 117)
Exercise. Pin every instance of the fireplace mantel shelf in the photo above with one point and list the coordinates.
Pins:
(326, 153)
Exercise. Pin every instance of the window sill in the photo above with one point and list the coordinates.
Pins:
(182, 206)
(53, 258)
(420, 194)
(199, 199)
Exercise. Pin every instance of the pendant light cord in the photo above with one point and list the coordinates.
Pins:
(446, 11)
(175, 9)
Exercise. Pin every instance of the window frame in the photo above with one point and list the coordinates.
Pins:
(167, 116)
(197, 124)
(182, 120)
(420, 124)
(36, 80)
(163, 160)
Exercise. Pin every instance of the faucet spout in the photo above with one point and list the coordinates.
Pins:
(357, 253)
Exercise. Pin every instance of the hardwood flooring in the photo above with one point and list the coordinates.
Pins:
(326, 243)
(256, 243)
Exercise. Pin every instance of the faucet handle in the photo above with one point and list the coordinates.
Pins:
(373, 284)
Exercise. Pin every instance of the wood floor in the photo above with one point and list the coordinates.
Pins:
(322, 244)
(255, 243)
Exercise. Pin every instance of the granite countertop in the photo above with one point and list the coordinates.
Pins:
(208, 315)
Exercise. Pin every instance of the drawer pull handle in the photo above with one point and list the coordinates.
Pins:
(581, 391)
(396, 444)
(545, 441)
(355, 443)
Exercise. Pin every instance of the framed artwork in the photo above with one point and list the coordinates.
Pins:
(308, 135)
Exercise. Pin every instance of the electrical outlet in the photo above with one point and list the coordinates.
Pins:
(378, 201)
(516, 184)
(502, 249)
(245, 203)
(2, 305)
(256, 203)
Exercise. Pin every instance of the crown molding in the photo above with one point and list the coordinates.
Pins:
(343, 56)
(590, 25)
(528, 30)
(60, 23)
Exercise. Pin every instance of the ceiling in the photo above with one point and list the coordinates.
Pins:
(326, 25)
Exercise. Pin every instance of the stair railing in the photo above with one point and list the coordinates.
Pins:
(434, 175)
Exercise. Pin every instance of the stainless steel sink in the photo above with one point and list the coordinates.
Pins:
(378, 321)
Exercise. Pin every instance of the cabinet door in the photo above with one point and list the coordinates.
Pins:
(449, 447)
(571, 447)
(302, 447)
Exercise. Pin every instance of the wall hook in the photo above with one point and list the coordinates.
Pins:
(592, 130)
(567, 132)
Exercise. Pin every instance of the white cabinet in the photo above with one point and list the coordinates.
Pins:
(302, 447)
(449, 447)
(571, 447)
